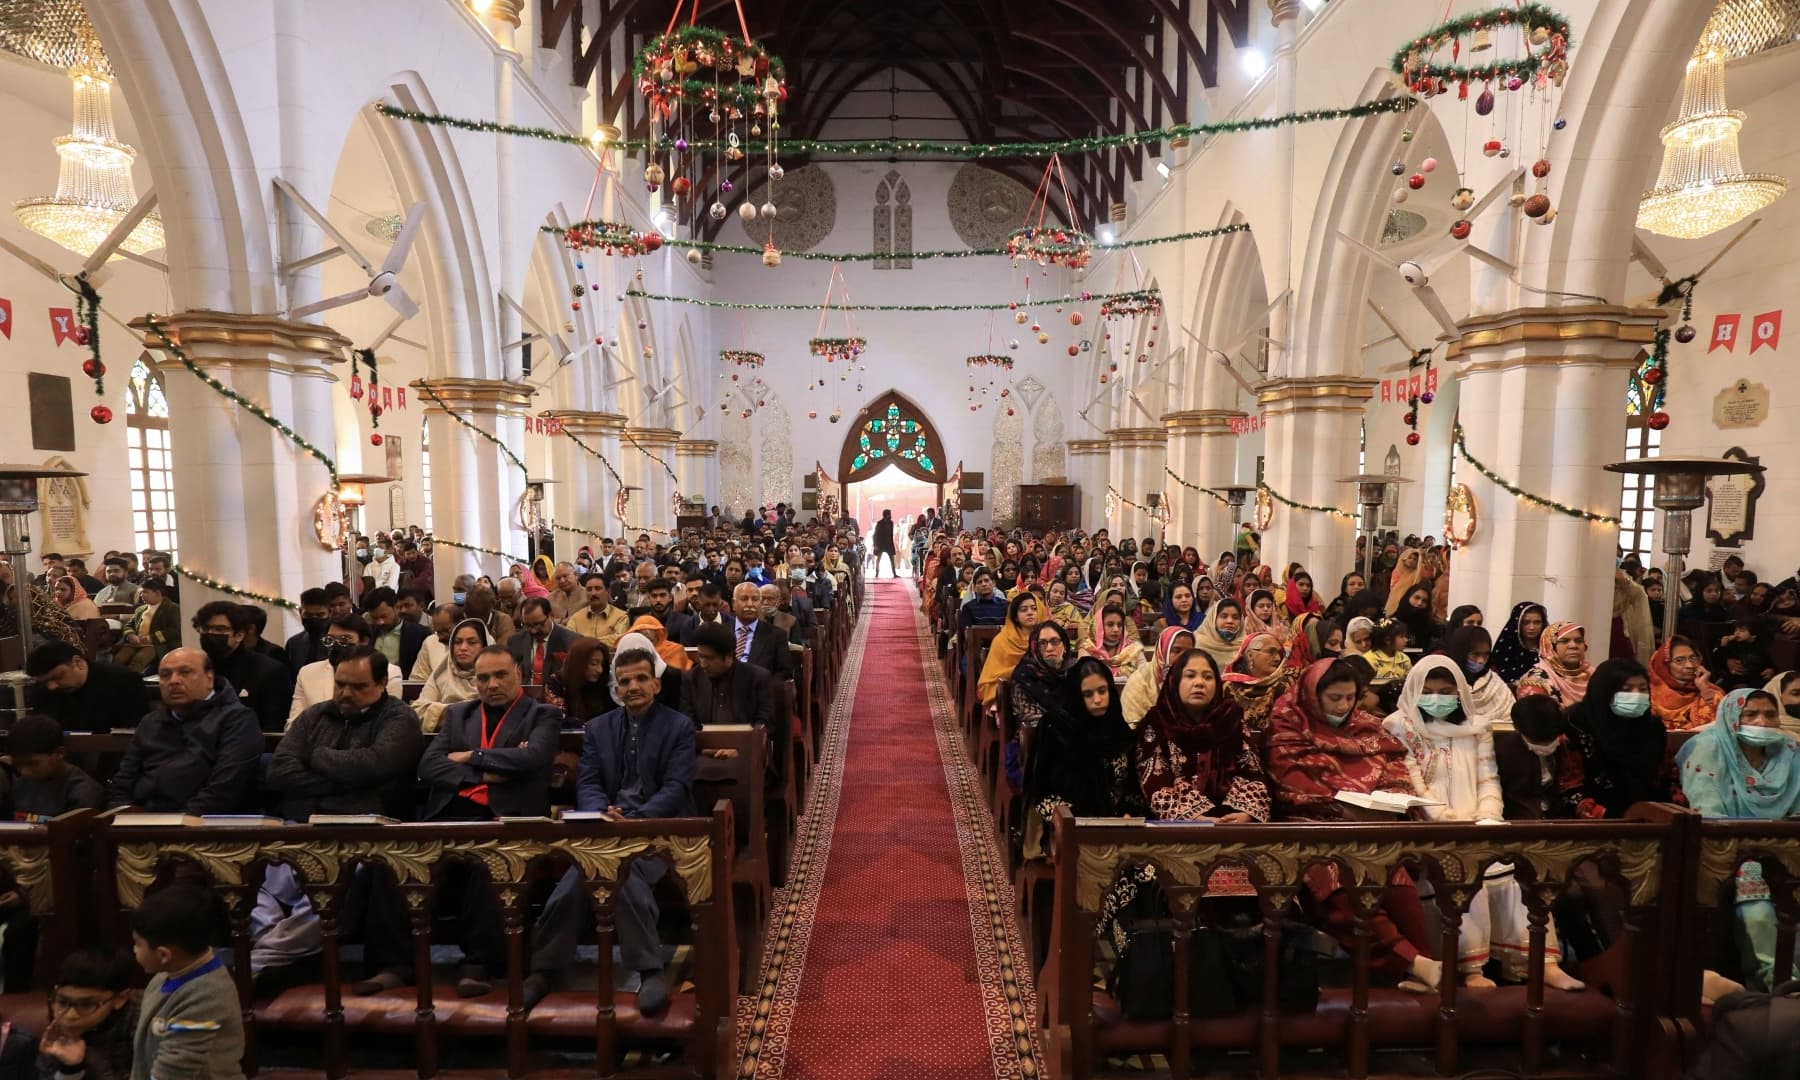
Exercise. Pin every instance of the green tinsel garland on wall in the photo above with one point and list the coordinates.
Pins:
(1513, 489)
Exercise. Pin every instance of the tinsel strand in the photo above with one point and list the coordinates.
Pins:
(466, 422)
(1002, 305)
(871, 256)
(1462, 450)
(233, 590)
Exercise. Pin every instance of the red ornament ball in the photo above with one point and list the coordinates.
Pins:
(1410, 418)
(80, 335)
(1685, 333)
(680, 186)
(100, 414)
(652, 241)
(1074, 318)
(1659, 420)
(1009, 412)
(575, 305)
(1461, 229)
(375, 439)
(92, 368)
(374, 409)
(1412, 438)
(1416, 181)
(812, 414)
(1537, 206)
(1653, 376)
(1074, 350)
(1540, 168)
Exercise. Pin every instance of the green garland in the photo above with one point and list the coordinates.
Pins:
(480, 550)
(1413, 65)
(665, 465)
(243, 402)
(87, 311)
(1222, 500)
(1002, 305)
(931, 148)
(1292, 505)
(428, 392)
(1513, 489)
(1136, 302)
(233, 590)
(872, 256)
(596, 455)
(694, 92)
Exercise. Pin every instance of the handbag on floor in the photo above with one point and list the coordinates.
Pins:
(1225, 969)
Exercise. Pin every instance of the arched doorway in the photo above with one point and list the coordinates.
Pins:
(892, 459)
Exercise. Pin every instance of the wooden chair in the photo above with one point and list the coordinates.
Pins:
(739, 780)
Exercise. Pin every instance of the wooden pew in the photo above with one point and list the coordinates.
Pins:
(983, 735)
(739, 781)
(699, 1023)
(1642, 857)
(45, 860)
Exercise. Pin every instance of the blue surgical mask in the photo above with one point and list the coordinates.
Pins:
(1630, 704)
(1438, 706)
(1762, 736)
(1228, 635)
(1474, 671)
(459, 597)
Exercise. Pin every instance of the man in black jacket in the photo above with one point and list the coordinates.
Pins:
(84, 695)
(758, 642)
(265, 685)
(308, 646)
(355, 754)
(197, 752)
(720, 690)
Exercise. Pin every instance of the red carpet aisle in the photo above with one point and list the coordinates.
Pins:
(896, 956)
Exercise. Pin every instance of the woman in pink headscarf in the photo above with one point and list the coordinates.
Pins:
(1562, 670)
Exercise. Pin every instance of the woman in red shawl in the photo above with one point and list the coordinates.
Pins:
(1320, 743)
(1192, 758)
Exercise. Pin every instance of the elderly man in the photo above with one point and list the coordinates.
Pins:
(720, 690)
(772, 612)
(436, 647)
(568, 597)
(197, 752)
(642, 576)
(508, 591)
(758, 642)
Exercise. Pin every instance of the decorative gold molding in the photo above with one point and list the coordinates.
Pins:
(1327, 390)
(697, 447)
(654, 436)
(480, 394)
(589, 423)
(1137, 436)
(209, 338)
(506, 11)
(1201, 421)
(1595, 322)
(1624, 361)
(1719, 859)
(1088, 446)
(30, 866)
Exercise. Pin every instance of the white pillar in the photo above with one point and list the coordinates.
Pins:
(1088, 468)
(1543, 407)
(1310, 443)
(1203, 451)
(1135, 469)
(653, 508)
(475, 488)
(696, 462)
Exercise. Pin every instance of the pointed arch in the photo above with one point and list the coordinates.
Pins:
(896, 432)
(893, 221)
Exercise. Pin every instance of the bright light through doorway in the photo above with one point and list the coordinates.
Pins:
(891, 489)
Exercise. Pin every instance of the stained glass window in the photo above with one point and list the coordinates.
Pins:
(150, 460)
(887, 436)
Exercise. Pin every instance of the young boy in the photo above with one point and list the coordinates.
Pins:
(46, 784)
(93, 1014)
(189, 1027)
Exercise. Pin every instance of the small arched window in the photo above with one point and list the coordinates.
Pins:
(149, 460)
(893, 222)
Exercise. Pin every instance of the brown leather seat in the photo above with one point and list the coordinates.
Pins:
(570, 1014)
(392, 1012)
(28, 1011)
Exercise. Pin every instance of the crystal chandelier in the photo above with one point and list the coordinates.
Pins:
(94, 191)
(1703, 187)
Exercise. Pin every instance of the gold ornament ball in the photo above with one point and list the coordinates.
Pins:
(1019, 317)
(1043, 339)
(693, 256)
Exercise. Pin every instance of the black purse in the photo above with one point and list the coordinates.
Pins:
(1225, 969)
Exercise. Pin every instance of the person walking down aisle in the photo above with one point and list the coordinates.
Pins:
(884, 543)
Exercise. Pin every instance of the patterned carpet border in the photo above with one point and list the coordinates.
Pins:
(766, 1020)
(1006, 986)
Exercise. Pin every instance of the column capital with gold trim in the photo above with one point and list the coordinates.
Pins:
(472, 395)
(1201, 421)
(1316, 393)
(1136, 436)
(1590, 334)
(654, 436)
(213, 338)
(583, 423)
(1088, 446)
(697, 447)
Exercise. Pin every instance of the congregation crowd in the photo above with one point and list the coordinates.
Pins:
(1134, 679)
(391, 706)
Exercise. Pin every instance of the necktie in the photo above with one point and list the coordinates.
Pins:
(537, 664)
(743, 649)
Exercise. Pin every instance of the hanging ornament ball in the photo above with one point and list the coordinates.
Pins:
(1074, 350)
(100, 414)
(1074, 318)
(1484, 103)
(1009, 411)
(1427, 398)
(653, 175)
(1013, 344)
(693, 256)
(1537, 206)
(1461, 228)
(595, 287)
(1463, 199)
(771, 255)
(725, 186)
(1505, 152)
(1514, 83)
(747, 211)
(1035, 328)
(643, 325)
(1428, 165)
(1151, 344)
(1653, 376)
(92, 368)
(812, 414)
(1401, 195)
(1516, 199)
(1412, 438)
(1540, 168)
(1043, 339)
(1059, 309)
(680, 186)
(760, 402)
(374, 409)
(1549, 216)
(1086, 345)
(1103, 377)
(1683, 333)
(1540, 34)
(1659, 420)
(579, 265)
(746, 414)
(833, 418)
(574, 305)
(1491, 147)
(80, 335)
(1560, 123)
(1410, 418)
(974, 408)
(1407, 135)
(768, 210)
(1416, 181)
(776, 172)
(375, 439)
(1020, 317)
(717, 211)
(1399, 168)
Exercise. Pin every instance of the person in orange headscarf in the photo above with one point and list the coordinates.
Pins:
(1681, 692)
(673, 655)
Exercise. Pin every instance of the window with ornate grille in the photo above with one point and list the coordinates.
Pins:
(1637, 513)
(149, 460)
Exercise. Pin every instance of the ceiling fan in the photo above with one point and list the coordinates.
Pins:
(1417, 271)
(384, 282)
(1228, 355)
(1645, 257)
(1415, 355)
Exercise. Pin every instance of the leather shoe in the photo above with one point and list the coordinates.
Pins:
(653, 992)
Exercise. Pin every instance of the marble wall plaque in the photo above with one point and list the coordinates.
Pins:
(1743, 404)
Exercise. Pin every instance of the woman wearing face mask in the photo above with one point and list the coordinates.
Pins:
(1785, 687)
(1450, 759)
(1080, 756)
(1516, 649)
(1681, 691)
(1193, 757)
(1112, 641)
(454, 678)
(1178, 610)
(1619, 747)
(1221, 635)
(1470, 649)
(1743, 765)
(1142, 688)
(1320, 743)
(1562, 669)
(1258, 676)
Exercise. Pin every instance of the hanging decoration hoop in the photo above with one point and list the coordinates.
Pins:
(1048, 244)
(1125, 305)
(1460, 516)
(990, 360)
(834, 349)
(1545, 58)
(742, 358)
(611, 238)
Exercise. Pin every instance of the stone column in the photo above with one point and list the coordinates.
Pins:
(1134, 469)
(653, 508)
(1543, 406)
(1203, 451)
(1087, 468)
(1310, 441)
(584, 496)
(697, 463)
(475, 489)
(244, 493)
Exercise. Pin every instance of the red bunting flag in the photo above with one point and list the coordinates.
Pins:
(1765, 329)
(62, 325)
(400, 397)
(1725, 328)
(6, 318)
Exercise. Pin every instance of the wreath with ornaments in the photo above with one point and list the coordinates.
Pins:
(742, 358)
(834, 349)
(1051, 246)
(991, 360)
(1127, 305)
(698, 66)
(611, 238)
(1422, 69)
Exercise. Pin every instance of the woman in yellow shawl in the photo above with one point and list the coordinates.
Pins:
(1221, 635)
(1409, 571)
(1066, 615)
(1008, 647)
(1258, 676)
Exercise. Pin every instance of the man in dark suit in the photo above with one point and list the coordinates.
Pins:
(637, 761)
(660, 604)
(395, 638)
(308, 646)
(81, 694)
(491, 758)
(265, 685)
(756, 641)
(720, 690)
(542, 646)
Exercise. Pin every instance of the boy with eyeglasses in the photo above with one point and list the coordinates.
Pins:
(93, 1013)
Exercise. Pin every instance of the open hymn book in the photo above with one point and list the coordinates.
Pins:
(1391, 801)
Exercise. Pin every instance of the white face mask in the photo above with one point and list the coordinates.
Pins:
(1542, 750)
